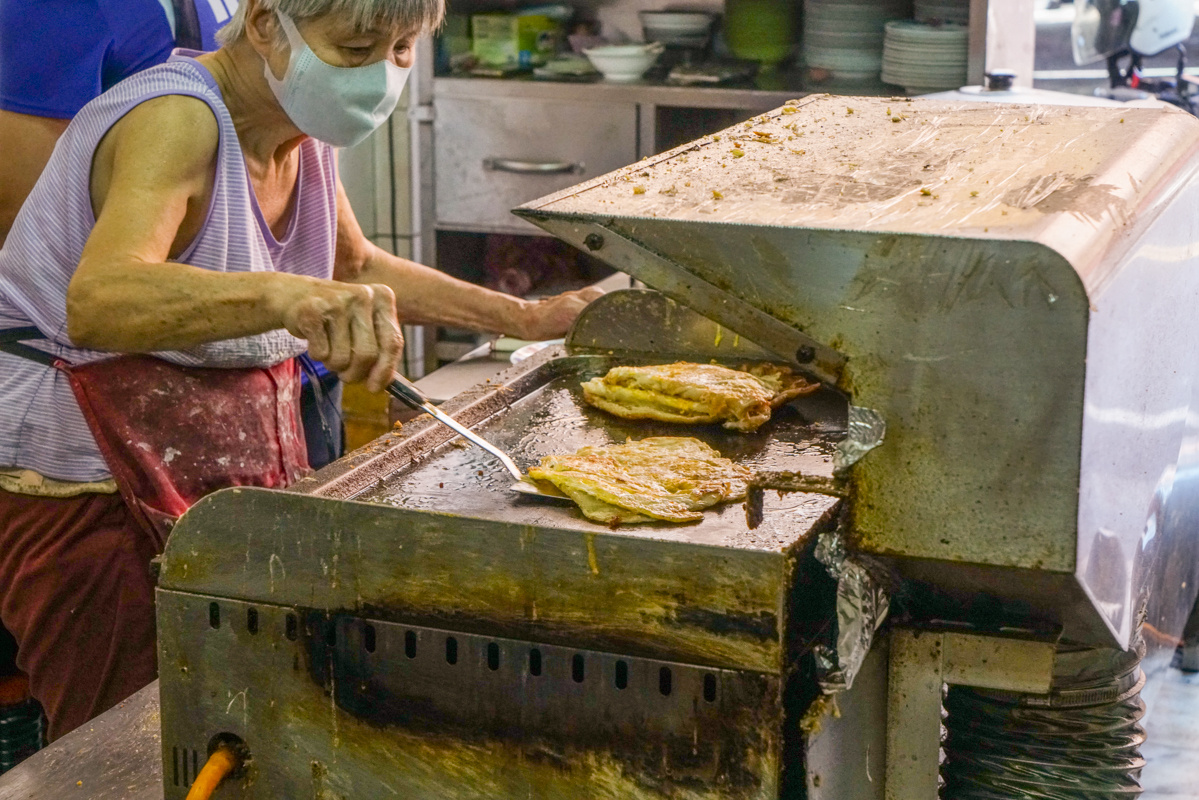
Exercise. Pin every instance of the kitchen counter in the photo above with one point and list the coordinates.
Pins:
(117, 756)
(767, 90)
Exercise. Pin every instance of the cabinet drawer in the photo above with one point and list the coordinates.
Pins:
(491, 155)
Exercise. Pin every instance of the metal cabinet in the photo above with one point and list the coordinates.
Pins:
(493, 154)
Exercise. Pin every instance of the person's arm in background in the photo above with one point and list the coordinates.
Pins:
(27, 142)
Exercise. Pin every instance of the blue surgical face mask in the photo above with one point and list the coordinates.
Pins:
(338, 105)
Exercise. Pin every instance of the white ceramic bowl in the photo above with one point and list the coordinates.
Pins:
(677, 28)
(624, 63)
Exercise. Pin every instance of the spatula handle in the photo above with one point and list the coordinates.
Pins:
(406, 392)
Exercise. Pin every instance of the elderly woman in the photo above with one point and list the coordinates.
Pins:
(193, 212)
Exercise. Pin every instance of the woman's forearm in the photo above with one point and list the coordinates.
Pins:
(425, 296)
(137, 308)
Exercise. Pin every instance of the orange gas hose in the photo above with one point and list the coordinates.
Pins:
(222, 761)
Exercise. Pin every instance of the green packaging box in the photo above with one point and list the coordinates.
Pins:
(509, 40)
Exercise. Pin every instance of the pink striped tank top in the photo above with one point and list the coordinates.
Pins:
(41, 427)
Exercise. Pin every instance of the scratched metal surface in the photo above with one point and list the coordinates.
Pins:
(1063, 175)
(554, 419)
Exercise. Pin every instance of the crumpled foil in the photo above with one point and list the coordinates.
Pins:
(866, 431)
(862, 605)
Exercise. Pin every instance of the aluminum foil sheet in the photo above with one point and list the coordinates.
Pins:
(862, 605)
(866, 432)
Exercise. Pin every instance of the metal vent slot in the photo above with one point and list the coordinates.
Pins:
(388, 673)
(520, 693)
(185, 766)
(409, 644)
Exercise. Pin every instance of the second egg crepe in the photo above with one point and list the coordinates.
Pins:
(741, 399)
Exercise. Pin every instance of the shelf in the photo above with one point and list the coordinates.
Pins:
(766, 92)
(748, 96)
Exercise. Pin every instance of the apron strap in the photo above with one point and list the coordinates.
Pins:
(11, 343)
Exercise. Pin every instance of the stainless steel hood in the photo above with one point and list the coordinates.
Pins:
(1011, 287)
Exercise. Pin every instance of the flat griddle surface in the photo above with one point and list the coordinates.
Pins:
(459, 479)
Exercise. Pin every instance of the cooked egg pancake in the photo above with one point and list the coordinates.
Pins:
(667, 478)
(697, 393)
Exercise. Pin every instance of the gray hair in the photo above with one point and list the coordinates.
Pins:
(422, 16)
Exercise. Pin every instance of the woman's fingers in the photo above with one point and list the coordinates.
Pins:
(389, 337)
(309, 322)
(340, 340)
(365, 349)
(352, 329)
(553, 316)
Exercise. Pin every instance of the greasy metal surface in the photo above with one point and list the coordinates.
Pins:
(404, 391)
(847, 749)
(914, 687)
(434, 537)
(698, 292)
(113, 757)
(329, 711)
(554, 419)
(658, 596)
(995, 276)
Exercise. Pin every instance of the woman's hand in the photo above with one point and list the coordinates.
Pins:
(352, 328)
(552, 317)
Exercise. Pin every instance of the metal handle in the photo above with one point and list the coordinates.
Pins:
(404, 391)
(521, 167)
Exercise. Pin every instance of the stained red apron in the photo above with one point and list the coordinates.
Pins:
(77, 590)
(171, 435)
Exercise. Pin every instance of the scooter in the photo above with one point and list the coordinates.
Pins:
(1115, 30)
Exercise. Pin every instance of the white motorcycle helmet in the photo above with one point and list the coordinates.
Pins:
(1104, 28)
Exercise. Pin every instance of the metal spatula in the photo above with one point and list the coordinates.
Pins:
(403, 390)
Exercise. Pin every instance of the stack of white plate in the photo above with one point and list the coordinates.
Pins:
(845, 37)
(943, 11)
(925, 58)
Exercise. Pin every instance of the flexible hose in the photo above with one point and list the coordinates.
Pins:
(1081, 742)
(222, 762)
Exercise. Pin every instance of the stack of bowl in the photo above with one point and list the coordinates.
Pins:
(845, 37)
(925, 58)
